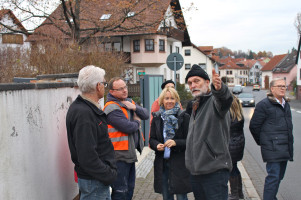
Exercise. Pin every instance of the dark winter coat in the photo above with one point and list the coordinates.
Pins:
(178, 174)
(272, 129)
(237, 140)
(91, 149)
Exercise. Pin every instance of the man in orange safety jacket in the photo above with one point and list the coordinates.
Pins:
(124, 117)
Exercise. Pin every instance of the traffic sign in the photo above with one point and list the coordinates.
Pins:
(175, 61)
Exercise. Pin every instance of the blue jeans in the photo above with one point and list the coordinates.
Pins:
(213, 186)
(93, 190)
(165, 179)
(276, 171)
(123, 187)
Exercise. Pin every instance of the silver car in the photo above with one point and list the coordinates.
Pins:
(237, 89)
(246, 99)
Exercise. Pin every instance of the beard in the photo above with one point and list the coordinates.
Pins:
(202, 91)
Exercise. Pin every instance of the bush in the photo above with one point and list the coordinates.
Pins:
(55, 57)
(185, 95)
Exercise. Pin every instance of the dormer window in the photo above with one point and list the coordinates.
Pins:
(105, 17)
(71, 21)
(131, 14)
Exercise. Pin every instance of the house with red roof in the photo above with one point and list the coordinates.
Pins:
(234, 74)
(9, 38)
(287, 69)
(267, 70)
(194, 55)
(148, 32)
(254, 69)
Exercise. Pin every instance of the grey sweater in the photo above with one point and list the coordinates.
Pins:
(207, 144)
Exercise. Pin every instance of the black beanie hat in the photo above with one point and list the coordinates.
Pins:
(197, 71)
(166, 82)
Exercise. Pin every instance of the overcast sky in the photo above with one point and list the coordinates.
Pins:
(255, 25)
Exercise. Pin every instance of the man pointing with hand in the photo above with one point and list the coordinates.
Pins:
(207, 155)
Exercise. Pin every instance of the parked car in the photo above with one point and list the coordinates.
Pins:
(246, 99)
(237, 89)
(256, 87)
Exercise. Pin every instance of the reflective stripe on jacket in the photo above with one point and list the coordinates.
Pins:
(119, 139)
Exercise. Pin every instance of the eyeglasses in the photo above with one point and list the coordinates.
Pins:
(104, 84)
(121, 89)
(280, 86)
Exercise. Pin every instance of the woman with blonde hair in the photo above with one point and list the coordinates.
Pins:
(236, 148)
(168, 135)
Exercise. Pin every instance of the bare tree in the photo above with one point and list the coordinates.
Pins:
(298, 23)
(80, 20)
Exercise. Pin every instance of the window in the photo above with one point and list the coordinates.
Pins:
(187, 66)
(240, 72)
(149, 45)
(12, 39)
(136, 44)
(177, 49)
(170, 48)
(105, 17)
(108, 47)
(251, 73)
(203, 66)
(71, 21)
(116, 46)
(229, 72)
(161, 45)
(187, 52)
(131, 14)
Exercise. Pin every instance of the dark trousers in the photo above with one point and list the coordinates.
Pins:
(276, 171)
(123, 187)
(165, 183)
(213, 186)
(235, 171)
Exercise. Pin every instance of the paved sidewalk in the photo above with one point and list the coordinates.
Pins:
(144, 189)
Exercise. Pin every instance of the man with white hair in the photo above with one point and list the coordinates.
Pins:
(90, 146)
(207, 154)
(272, 128)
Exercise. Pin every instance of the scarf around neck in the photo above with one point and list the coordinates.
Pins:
(170, 121)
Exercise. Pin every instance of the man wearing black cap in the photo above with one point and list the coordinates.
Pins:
(207, 155)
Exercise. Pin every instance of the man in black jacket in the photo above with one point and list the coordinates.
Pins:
(90, 146)
(272, 129)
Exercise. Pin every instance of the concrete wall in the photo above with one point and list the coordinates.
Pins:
(35, 160)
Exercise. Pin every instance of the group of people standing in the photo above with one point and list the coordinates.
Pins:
(196, 149)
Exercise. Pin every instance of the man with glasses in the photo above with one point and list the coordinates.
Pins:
(124, 117)
(272, 129)
(90, 146)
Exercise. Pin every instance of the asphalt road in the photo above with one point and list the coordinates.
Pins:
(290, 186)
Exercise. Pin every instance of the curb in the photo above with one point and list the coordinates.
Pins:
(145, 164)
(250, 190)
